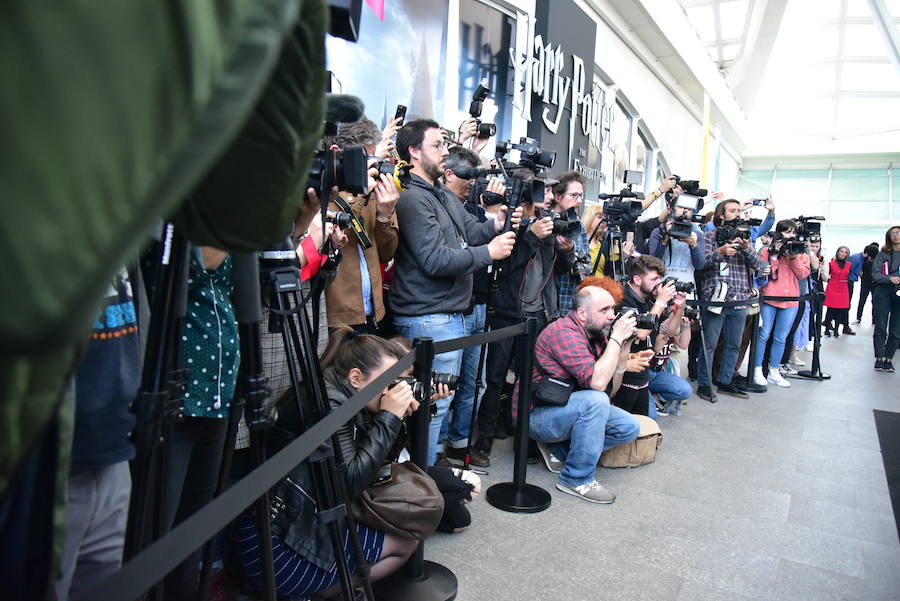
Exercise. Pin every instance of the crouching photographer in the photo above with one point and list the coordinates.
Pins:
(649, 295)
(304, 556)
(579, 363)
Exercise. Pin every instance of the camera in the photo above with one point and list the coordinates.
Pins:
(418, 388)
(485, 130)
(809, 228)
(345, 168)
(643, 321)
(681, 228)
(736, 228)
(690, 187)
(340, 219)
(789, 246)
(399, 172)
(686, 287)
(622, 214)
(531, 155)
(691, 313)
(563, 225)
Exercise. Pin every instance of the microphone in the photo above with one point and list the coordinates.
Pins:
(344, 108)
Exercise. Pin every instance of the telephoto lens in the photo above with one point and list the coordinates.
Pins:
(451, 381)
(340, 219)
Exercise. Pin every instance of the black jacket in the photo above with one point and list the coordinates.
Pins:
(366, 443)
(507, 299)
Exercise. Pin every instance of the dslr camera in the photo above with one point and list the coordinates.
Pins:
(399, 172)
(643, 321)
(340, 219)
(418, 388)
(485, 130)
(686, 287)
(345, 168)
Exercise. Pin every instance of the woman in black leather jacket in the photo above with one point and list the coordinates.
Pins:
(304, 558)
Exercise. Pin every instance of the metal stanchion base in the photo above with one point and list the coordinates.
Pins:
(810, 375)
(437, 584)
(531, 499)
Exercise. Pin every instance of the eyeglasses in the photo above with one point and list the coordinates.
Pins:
(440, 145)
(575, 195)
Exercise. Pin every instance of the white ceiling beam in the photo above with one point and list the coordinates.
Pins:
(886, 24)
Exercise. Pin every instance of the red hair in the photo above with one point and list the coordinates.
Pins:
(610, 285)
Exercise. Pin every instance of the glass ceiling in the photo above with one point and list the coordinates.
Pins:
(828, 78)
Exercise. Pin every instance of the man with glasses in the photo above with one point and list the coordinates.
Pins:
(441, 245)
(567, 197)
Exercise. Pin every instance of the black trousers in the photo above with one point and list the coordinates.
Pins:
(195, 452)
(864, 292)
(500, 356)
(886, 309)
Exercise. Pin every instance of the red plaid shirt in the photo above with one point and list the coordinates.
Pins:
(563, 351)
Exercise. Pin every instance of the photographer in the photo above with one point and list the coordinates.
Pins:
(886, 302)
(355, 298)
(646, 292)
(789, 263)
(567, 196)
(588, 348)
(755, 230)
(525, 287)
(681, 255)
(441, 246)
(304, 557)
(727, 276)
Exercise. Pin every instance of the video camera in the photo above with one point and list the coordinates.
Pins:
(620, 213)
(789, 246)
(809, 228)
(418, 388)
(736, 228)
(485, 130)
(686, 287)
(690, 187)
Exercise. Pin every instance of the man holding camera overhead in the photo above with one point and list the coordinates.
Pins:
(568, 194)
(730, 261)
(441, 245)
(355, 298)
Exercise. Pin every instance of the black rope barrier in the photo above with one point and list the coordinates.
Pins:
(455, 344)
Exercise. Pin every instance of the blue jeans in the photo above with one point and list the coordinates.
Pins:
(729, 324)
(669, 387)
(582, 429)
(437, 326)
(455, 427)
(779, 320)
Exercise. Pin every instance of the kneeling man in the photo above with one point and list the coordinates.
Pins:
(588, 348)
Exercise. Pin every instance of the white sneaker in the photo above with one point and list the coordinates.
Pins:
(787, 370)
(808, 348)
(776, 378)
(796, 360)
(758, 378)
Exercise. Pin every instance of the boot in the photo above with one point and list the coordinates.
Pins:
(848, 331)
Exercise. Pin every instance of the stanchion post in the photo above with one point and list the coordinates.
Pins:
(518, 496)
(420, 580)
(754, 338)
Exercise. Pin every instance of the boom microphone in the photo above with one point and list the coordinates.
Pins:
(344, 108)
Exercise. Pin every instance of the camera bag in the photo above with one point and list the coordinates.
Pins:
(640, 451)
(551, 391)
(409, 505)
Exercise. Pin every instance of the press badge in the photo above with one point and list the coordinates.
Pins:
(723, 268)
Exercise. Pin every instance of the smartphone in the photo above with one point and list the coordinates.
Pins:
(400, 114)
(758, 202)
(385, 475)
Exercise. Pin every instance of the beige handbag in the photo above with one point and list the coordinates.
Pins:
(639, 451)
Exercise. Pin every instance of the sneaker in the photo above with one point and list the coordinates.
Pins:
(593, 491)
(759, 378)
(857, 322)
(706, 393)
(661, 410)
(776, 378)
(879, 365)
(888, 366)
(787, 370)
(550, 460)
(476, 457)
(809, 348)
(731, 390)
(795, 360)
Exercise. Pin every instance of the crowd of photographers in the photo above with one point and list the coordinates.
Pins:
(425, 238)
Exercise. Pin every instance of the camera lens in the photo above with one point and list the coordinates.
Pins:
(451, 381)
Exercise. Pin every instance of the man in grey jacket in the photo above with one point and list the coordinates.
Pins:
(441, 245)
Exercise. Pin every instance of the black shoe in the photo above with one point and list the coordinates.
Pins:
(500, 433)
(753, 387)
(879, 365)
(442, 461)
(476, 457)
(888, 366)
(739, 381)
(706, 393)
(731, 390)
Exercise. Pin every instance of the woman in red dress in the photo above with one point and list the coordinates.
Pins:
(837, 294)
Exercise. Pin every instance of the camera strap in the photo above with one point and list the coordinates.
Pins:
(356, 222)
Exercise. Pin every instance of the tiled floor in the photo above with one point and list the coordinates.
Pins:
(782, 496)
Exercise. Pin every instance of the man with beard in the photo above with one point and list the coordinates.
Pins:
(645, 293)
(441, 246)
(588, 348)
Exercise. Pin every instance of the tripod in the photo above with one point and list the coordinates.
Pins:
(280, 280)
(159, 403)
(612, 244)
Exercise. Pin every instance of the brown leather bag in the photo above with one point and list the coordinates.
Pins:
(640, 451)
(409, 505)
